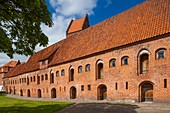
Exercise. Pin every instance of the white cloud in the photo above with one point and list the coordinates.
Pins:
(73, 7)
(108, 2)
(65, 10)
(57, 32)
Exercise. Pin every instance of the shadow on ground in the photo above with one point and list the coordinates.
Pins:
(100, 108)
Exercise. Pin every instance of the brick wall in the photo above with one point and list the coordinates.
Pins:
(158, 71)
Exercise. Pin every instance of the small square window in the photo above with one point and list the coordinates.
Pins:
(82, 87)
(89, 87)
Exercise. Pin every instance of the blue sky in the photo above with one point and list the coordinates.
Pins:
(102, 12)
(64, 10)
(106, 9)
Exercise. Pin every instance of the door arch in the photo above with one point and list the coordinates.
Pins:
(14, 91)
(39, 93)
(21, 92)
(53, 93)
(10, 90)
(146, 91)
(73, 93)
(102, 92)
(28, 93)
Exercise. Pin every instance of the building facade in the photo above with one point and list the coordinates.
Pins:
(4, 69)
(126, 57)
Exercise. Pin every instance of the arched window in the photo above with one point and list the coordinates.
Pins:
(46, 76)
(160, 53)
(57, 73)
(144, 63)
(87, 68)
(28, 81)
(51, 77)
(112, 63)
(80, 69)
(71, 74)
(99, 70)
(62, 72)
(42, 77)
(125, 60)
(143, 59)
(34, 78)
(38, 79)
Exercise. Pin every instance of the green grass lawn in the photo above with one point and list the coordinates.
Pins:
(12, 105)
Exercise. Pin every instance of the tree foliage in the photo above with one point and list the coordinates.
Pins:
(20, 30)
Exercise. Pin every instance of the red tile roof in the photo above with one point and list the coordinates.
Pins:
(11, 64)
(5, 67)
(77, 25)
(146, 20)
(33, 62)
(149, 19)
(16, 70)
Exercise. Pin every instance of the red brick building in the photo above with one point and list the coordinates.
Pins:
(126, 57)
(4, 69)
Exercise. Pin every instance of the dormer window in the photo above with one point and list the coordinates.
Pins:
(43, 62)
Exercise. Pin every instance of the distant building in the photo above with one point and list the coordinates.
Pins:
(125, 58)
(4, 69)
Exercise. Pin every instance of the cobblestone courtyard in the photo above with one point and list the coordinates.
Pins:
(116, 108)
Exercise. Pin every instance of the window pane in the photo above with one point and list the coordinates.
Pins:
(125, 61)
(62, 73)
(160, 54)
(43, 62)
(57, 73)
(89, 87)
(82, 87)
(165, 83)
(88, 67)
(112, 63)
(80, 69)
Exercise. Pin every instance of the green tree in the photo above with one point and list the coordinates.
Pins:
(20, 30)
